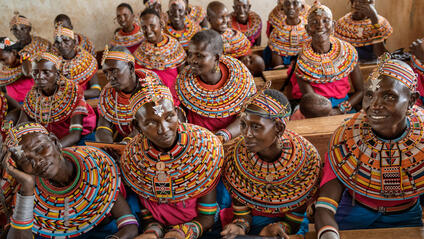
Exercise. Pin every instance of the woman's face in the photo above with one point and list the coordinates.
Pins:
(320, 26)
(219, 19)
(125, 17)
(386, 102)
(21, 32)
(200, 58)
(241, 10)
(259, 133)
(9, 58)
(177, 12)
(292, 8)
(118, 74)
(45, 75)
(41, 156)
(159, 123)
(151, 26)
(358, 7)
(65, 45)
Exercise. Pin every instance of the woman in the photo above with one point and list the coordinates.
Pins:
(235, 43)
(180, 26)
(159, 52)
(77, 64)
(364, 29)
(157, 6)
(277, 16)
(172, 166)
(287, 39)
(11, 76)
(82, 41)
(21, 27)
(246, 21)
(283, 166)
(130, 34)
(197, 14)
(65, 192)
(417, 59)
(58, 103)
(326, 63)
(115, 114)
(373, 166)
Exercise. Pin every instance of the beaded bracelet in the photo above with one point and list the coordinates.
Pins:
(284, 226)
(224, 133)
(345, 106)
(146, 214)
(155, 228)
(23, 215)
(75, 127)
(96, 86)
(326, 229)
(207, 208)
(295, 217)
(191, 230)
(240, 210)
(327, 203)
(243, 223)
(104, 127)
(126, 220)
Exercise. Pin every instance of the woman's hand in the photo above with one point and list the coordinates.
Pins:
(174, 234)
(231, 231)
(272, 230)
(147, 236)
(10, 158)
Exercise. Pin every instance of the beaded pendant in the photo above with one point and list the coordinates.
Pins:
(236, 43)
(81, 68)
(219, 103)
(254, 25)
(128, 40)
(377, 168)
(190, 170)
(288, 40)
(37, 44)
(55, 108)
(165, 55)
(281, 186)
(9, 75)
(184, 36)
(197, 14)
(74, 210)
(363, 32)
(338, 63)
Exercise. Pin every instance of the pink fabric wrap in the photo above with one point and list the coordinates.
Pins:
(329, 175)
(172, 213)
(212, 124)
(420, 86)
(20, 88)
(133, 48)
(168, 78)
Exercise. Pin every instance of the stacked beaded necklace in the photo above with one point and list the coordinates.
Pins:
(74, 210)
(36, 45)
(418, 65)
(190, 170)
(273, 187)
(288, 40)
(10, 75)
(329, 67)
(197, 14)
(220, 103)
(377, 168)
(236, 43)
(81, 68)
(165, 55)
(55, 108)
(254, 26)
(363, 32)
(183, 36)
(124, 39)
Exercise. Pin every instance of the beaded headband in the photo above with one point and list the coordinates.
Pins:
(393, 68)
(176, 2)
(149, 3)
(56, 60)
(320, 10)
(16, 133)
(273, 108)
(63, 31)
(6, 42)
(116, 55)
(151, 91)
(282, 1)
(18, 20)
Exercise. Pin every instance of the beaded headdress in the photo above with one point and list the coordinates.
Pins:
(19, 20)
(63, 31)
(395, 69)
(116, 55)
(273, 108)
(6, 42)
(176, 2)
(56, 60)
(320, 10)
(151, 91)
(149, 3)
(16, 133)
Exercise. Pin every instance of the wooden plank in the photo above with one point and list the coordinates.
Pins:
(118, 147)
(258, 50)
(386, 233)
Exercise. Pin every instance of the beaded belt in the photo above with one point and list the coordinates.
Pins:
(394, 209)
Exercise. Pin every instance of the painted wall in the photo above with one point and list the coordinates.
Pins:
(95, 18)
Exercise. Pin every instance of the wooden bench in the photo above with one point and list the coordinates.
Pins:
(386, 233)
(318, 130)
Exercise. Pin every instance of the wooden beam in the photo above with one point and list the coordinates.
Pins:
(386, 233)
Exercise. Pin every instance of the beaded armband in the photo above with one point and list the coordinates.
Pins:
(125, 220)
(191, 230)
(106, 128)
(155, 228)
(345, 106)
(23, 218)
(325, 229)
(327, 203)
(75, 127)
(285, 226)
(243, 223)
(294, 217)
(96, 86)
(146, 215)
(240, 210)
(207, 208)
(225, 134)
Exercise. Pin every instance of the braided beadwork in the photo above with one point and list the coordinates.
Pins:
(288, 40)
(254, 25)
(85, 43)
(184, 36)
(165, 55)
(128, 40)
(81, 68)
(277, 17)
(37, 44)
(9, 75)
(329, 67)
(277, 187)
(223, 102)
(55, 108)
(363, 32)
(88, 201)
(377, 168)
(236, 43)
(193, 165)
(114, 105)
(197, 14)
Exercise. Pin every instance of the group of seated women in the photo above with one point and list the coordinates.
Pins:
(189, 147)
